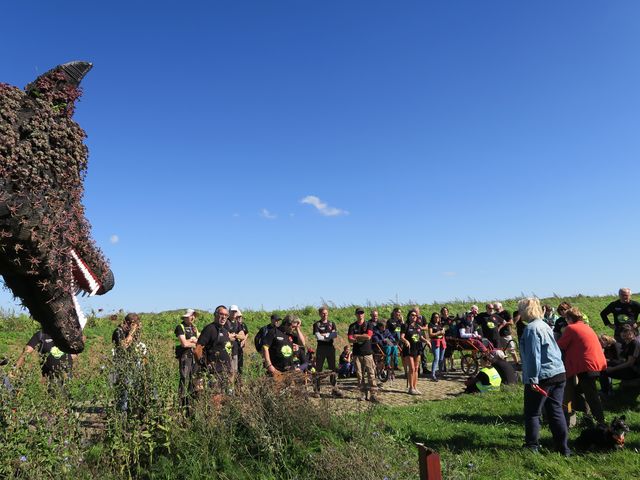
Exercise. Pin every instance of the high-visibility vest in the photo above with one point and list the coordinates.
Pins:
(494, 380)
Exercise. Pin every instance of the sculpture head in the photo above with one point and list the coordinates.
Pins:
(47, 255)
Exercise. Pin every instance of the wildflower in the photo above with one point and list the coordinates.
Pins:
(23, 458)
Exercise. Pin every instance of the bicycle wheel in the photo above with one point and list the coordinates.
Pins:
(469, 364)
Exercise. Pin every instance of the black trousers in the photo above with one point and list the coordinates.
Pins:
(328, 353)
(587, 386)
(185, 387)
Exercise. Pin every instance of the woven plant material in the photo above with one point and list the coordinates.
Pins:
(47, 253)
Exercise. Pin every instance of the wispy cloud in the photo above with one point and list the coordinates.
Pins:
(264, 213)
(322, 207)
(114, 239)
(449, 274)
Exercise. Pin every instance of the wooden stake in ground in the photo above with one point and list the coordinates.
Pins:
(429, 461)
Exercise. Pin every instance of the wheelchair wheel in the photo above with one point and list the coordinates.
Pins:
(381, 373)
(469, 364)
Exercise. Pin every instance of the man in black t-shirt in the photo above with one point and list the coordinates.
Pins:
(187, 335)
(214, 347)
(277, 351)
(360, 336)
(325, 332)
(55, 364)
(489, 322)
(625, 312)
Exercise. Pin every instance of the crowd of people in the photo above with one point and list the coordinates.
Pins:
(560, 356)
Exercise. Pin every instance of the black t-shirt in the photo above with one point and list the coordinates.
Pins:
(632, 349)
(53, 360)
(280, 349)
(623, 313)
(324, 327)
(217, 347)
(189, 331)
(412, 333)
(520, 326)
(236, 327)
(489, 324)
(506, 317)
(343, 358)
(360, 349)
(506, 371)
(395, 326)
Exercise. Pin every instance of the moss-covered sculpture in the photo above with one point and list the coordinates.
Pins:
(47, 254)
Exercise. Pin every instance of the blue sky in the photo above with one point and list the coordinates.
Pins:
(444, 149)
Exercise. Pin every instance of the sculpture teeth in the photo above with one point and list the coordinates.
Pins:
(82, 320)
(94, 286)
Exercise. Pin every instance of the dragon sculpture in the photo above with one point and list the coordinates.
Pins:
(47, 255)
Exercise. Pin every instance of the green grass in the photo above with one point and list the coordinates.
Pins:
(263, 434)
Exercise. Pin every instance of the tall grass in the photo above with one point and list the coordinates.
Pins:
(259, 432)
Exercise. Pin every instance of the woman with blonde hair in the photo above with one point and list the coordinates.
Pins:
(544, 377)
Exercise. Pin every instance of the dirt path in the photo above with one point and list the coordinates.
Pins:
(394, 393)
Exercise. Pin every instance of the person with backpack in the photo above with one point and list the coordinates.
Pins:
(187, 335)
(261, 335)
(55, 364)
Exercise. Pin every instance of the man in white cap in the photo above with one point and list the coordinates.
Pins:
(236, 325)
(187, 335)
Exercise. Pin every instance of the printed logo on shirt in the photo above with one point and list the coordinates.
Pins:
(286, 351)
(622, 318)
(415, 337)
(56, 353)
(228, 347)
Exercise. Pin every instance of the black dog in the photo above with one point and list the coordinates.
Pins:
(604, 437)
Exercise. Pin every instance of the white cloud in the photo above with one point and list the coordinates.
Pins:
(449, 274)
(235, 215)
(322, 207)
(264, 213)
(114, 239)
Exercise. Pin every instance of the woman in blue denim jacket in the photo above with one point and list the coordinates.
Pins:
(542, 369)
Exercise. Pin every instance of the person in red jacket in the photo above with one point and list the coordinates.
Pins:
(583, 361)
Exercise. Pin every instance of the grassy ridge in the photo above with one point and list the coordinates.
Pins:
(263, 434)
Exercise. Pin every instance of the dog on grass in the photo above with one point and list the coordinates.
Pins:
(604, 437)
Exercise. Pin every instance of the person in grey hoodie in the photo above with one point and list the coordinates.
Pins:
(544, 377)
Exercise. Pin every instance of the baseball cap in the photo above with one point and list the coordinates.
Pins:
(275, 317)
(189, 312)
(359, 310)
(234, 308)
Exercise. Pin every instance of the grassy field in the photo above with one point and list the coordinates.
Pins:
(262, 433)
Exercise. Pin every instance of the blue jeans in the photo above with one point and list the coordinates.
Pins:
(391, 351)
(534, 402)
(438, 357)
